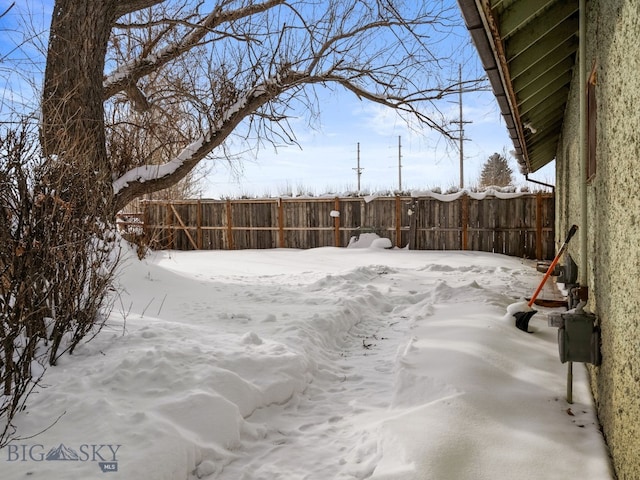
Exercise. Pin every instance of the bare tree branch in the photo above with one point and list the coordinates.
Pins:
(155, 177)
(125, 7)
(130, 73)
(6, 10)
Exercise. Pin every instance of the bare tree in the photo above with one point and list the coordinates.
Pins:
(237, 66)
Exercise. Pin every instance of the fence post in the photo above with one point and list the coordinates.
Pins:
(169, 222)
(465, 221)
(280, 223)
(539, 226)
(336, 223)
(199, 220)
(413, 221)
(398, 222)
(229, 226)
(145, 224)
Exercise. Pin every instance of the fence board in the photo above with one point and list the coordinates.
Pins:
(522, 226)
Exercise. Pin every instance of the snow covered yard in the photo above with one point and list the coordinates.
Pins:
(319, 364)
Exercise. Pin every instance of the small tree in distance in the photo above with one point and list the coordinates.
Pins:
(496, 172)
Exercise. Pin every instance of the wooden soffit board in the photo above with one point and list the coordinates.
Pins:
(528, 49)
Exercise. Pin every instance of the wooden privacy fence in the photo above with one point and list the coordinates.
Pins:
(521, 226)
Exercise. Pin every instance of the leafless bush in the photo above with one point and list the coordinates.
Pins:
(57, 260)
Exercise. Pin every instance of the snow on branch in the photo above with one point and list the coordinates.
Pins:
(147, 173)
(138, 180)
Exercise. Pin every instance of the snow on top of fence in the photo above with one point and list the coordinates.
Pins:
(498, 192)
(450, 197)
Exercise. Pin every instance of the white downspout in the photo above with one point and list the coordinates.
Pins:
(582, 54)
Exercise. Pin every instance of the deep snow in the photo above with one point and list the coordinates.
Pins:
(316, 364)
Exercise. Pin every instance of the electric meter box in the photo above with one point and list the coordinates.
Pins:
(578, 337)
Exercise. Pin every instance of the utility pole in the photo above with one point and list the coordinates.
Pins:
(399, 164)
(358, 169)
(460, 124)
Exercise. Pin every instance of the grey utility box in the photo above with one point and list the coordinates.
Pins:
(578, 337)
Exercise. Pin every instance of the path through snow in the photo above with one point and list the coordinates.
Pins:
(313, 365)
(330, 427)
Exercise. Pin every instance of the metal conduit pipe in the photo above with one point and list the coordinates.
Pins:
(582, 53)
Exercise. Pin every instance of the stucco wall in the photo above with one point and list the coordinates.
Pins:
(614, 219)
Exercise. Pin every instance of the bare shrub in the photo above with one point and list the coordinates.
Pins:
(57, 260)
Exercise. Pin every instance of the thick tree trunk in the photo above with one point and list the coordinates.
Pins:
(72, 130)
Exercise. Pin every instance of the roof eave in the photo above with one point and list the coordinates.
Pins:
(479, 21)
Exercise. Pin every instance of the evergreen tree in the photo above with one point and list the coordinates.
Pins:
(496, 172)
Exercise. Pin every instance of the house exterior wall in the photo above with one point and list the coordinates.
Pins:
(613, 46)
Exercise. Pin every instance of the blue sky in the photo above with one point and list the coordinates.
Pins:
(326, 158)
(328, 154)
(23, 37)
